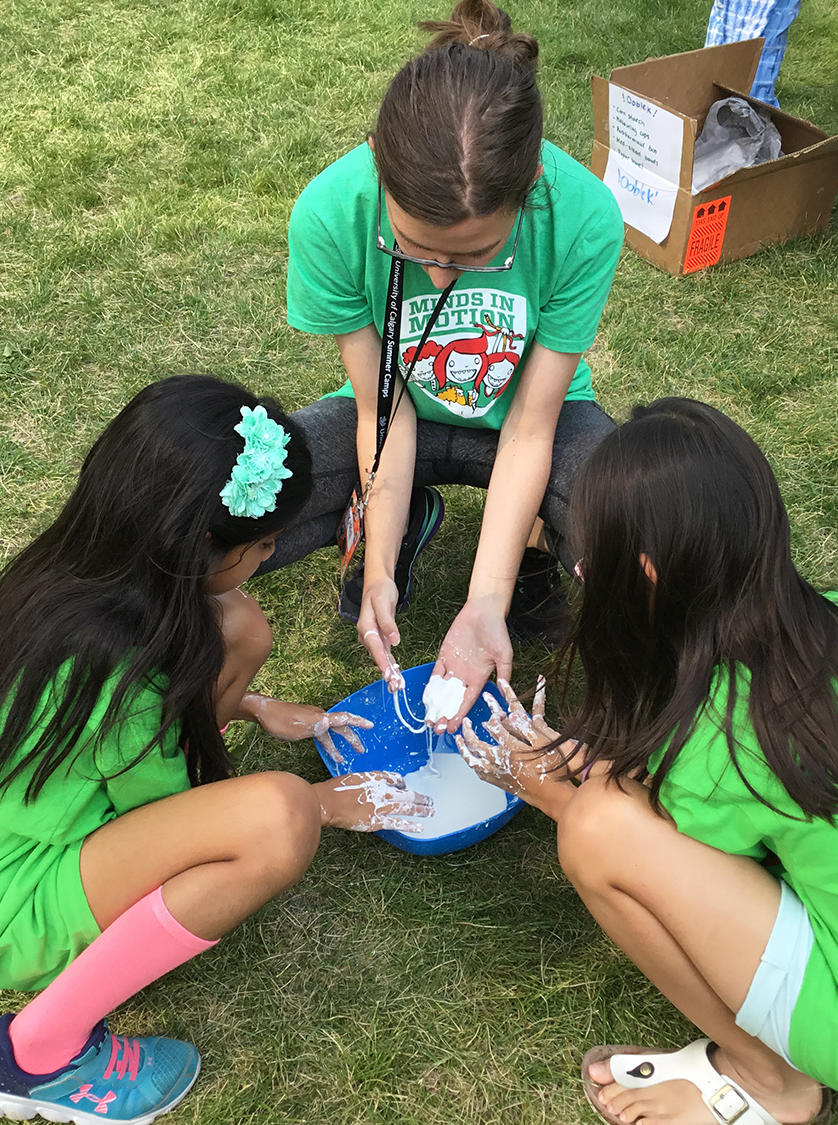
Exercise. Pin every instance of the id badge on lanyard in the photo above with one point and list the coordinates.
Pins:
(350, 531)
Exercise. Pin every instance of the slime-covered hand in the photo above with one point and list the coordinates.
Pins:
(529, 735)
(293, 721)
(377, 629)
(370, 802)
(476, 644)
(341, 722)
(526, 757)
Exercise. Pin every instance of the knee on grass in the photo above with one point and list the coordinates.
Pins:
(276, 821)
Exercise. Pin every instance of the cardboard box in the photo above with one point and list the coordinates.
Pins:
(739, 214)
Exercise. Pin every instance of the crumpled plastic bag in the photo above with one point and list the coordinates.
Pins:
(735, 135)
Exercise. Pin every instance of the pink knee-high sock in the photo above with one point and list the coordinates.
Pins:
(138, 947)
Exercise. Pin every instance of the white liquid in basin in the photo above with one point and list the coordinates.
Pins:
(460, 798)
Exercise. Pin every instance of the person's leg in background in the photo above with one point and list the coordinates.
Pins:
(583, 424)
(539, 608)
(329, 426)
(733, 20)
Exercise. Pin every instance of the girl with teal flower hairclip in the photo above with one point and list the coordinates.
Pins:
(127, 647)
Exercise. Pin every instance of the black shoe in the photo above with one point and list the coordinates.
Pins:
(539, 609)
(426, 512)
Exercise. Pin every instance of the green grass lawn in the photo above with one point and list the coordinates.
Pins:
(149, 158)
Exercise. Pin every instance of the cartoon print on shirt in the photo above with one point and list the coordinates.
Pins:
(423, 372)
(502, 360)
(457, 368)
(467, 373)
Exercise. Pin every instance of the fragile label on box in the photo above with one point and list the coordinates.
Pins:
(707, 234)
(644, 161)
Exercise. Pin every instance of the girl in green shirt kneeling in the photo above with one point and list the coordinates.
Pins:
(695, 787)
(126, 847)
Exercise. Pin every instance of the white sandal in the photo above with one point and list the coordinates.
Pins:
(635, 1068)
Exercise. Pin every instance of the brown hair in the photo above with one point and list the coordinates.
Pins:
(459, 130)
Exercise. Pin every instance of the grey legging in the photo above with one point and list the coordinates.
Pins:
(444, 455)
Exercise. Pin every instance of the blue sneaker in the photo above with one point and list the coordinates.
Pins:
(125, 1081)
(426, 512)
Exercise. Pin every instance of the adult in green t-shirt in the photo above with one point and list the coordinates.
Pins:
(458, 182)
(702, 833)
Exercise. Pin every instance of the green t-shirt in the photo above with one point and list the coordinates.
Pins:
(44, 916)
(708, 801)
(467, 372)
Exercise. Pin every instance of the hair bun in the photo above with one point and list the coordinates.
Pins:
(484, 26)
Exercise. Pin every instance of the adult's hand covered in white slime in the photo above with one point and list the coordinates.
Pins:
(377, 629)
(390, 670)
(476, 644)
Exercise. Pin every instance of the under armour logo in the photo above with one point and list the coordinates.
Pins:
(84, 1094)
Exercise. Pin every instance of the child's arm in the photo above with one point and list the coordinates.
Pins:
(292, 721)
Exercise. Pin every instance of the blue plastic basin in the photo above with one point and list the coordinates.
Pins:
(389, 746)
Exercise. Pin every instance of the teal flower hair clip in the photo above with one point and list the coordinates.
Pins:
(260, 468)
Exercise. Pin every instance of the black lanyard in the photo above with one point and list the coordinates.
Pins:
(389, 364)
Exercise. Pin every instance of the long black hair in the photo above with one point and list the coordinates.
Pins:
(684, 547)
(115, 587)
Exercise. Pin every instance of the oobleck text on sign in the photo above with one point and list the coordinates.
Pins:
(644, 160)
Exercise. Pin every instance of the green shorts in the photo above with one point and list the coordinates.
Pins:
(49, 921)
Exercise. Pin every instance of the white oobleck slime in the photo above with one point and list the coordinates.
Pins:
(443, 698)
(460, 798)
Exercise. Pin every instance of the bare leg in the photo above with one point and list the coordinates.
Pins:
(666, 900)
(215, 854)
(220, 851)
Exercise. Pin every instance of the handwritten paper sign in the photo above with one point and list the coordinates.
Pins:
(644, 161)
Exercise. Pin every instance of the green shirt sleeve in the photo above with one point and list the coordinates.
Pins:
(323, 296)
(569, 320)
(89, 789)
(703, 791)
